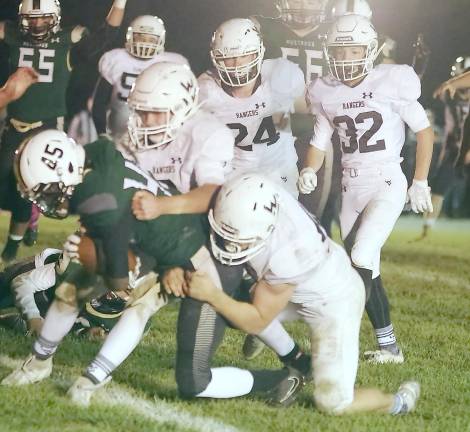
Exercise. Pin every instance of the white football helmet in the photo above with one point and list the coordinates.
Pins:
(234, 38)
(356, 7)
(29, 10)
(151, 26)
(243, 217)
(168, 88)
(351, 31)
(48, 166)
(302, 13)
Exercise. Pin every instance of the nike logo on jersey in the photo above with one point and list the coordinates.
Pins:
(350, 105)
(367, 95)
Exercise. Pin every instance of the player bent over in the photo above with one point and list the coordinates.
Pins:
(301, 274)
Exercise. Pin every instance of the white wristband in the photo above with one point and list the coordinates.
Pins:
(421, 183)
(120, 4)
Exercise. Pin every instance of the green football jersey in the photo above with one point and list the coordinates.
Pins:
(45, 99)
(306, 51)
(105, 195)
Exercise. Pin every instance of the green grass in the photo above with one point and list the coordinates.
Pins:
(429, 288)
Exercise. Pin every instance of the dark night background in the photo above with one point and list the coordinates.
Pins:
(444, 23)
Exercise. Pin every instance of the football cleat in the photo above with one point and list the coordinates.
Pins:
(252, 347)
(409, 392)
(285, 393)
(31, 371)
(383, 356)
(30, 237)
(82, 390)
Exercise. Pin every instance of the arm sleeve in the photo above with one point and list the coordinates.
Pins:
(216, 160)
(92, 46)
(101, 99)
(25, 285)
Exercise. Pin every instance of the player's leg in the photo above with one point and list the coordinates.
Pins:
(376, 223)
(336, 363)
(58, 322)
(11, 139)
(200, 331)
(31, 235)
(146, 299)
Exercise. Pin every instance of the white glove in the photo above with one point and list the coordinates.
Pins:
(307, 180)
(419, 196)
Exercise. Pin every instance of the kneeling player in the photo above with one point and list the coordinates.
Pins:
(301, 274)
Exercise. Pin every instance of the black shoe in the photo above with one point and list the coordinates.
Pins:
(303, 363)
(286, 391)
(10, 251)
(30, 237)
(14, 321)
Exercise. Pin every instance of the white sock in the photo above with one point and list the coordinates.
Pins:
(58, 322)
(228, 382)
(124, 336)
(276, 337)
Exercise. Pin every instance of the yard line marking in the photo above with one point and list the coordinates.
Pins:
(156, 411)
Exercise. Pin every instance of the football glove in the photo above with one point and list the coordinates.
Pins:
(419, 196)
(307, 180)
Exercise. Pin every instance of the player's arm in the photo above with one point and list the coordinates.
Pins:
(452, 85)
(268, 301)
(315, 157)
(101, 98)
(2, 30)
(17, 84)
(89, 47)
(424, 148)
(147, 206)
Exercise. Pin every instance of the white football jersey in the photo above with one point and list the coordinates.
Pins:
(200, 154)
(258, 144)
(299, 252)
(120, 69)
(369, 118)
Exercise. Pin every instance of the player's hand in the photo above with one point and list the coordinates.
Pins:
(20, 81)
(71, 247)
(200, 286)
(445, 87)
(145, 206)
(174, 282)
(35, 326)
(419, 196)
(307, 182)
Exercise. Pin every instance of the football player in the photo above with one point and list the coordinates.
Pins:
(456, 113)
(173, 139)
(356, 7)
(367, 108)
(30, 285)
(145, 45)
(301, 274)
(296, 34)
(17, 84)
(248, 94)
(40, 42)
(98, 184)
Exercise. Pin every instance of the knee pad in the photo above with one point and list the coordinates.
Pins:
(363, 256)
(330, 399)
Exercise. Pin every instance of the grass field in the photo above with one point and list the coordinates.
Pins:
(429, 288)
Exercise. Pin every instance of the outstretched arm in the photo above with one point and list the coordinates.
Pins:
(17, 85)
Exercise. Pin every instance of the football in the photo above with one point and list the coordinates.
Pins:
(91, 256)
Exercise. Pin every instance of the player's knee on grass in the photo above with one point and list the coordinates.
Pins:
(191, 379)
(330, 398)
